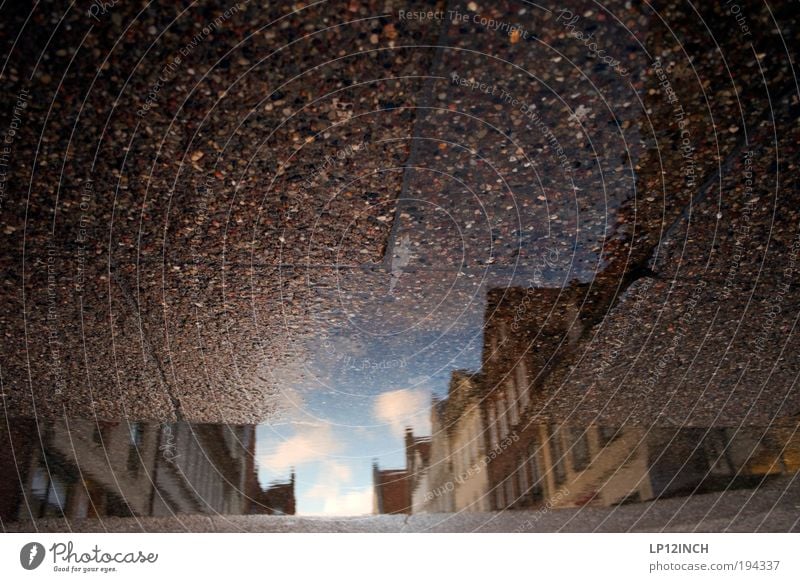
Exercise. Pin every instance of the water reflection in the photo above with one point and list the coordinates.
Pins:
(558, 466)
(490, 450)
(418, 439)
(81, 468)
(84, 469)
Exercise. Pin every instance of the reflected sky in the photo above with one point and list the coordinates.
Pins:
(352, 404)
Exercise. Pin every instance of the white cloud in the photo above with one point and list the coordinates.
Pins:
(330, 473)
(402, 408)
(337, 498)
(308, 445)
(353, 502)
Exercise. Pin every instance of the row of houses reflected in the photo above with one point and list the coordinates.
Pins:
(489, 452)
(85, 469)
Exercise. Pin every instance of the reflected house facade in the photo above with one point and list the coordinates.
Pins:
(390, 493)
(445, 472)
(574, 466)
(525, 332)
(479, 422)
(431, 493)
(466, 432)
(462, 434)
(418, 457)
(399, 490)
(277, 499)
(204, 469)
(489, 451)
(455, 477)
(85, 469)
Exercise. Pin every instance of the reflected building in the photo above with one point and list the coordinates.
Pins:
(465, 435)
(418, 456)
(277, 499)
(445, 470)
(431, 493)
(566, 466)
(390, 491)
(490, 451)
(402, 490)
(455, 478)
(85, 469)
(204, 469)
(526, 331)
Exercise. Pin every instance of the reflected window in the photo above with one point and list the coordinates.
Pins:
(57, 495)
(101, 431)
(499, 501)
(80, 503)
(512, 402)
(499, 334)
(717, 448)
(493, 440)
(523, 388)
(511, 495)
(580, 449)
(607, 435)
(39, 482)
(522, 474)
(136, 432)
(472, 443)
(537, 475)
(502, 413)
(557, 452)
(48, 495)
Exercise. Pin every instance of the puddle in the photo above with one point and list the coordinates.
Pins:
(82, 469)
(374, 418)
(386, 410)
